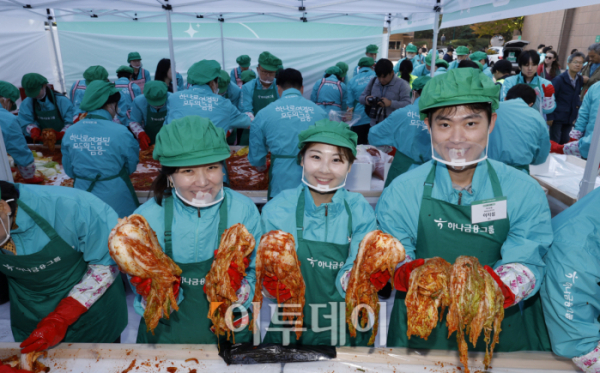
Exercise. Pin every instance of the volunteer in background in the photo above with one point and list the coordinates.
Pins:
(203, 99)
(405, 72)
(406, 132)
(411, 55)
(549, 68)
(424, 69)
(327, 222)
(344, 67)
(164, 74)
(189, 212)
(100, 154)
(590, 72)
(148, 113)
(570, 293)
(356, 87)
(276, 129)
(259, 93)
(129, 91)
(528, 63)
(243, 62)
(448, 56)
(429, 210)
(14, 141)
(502, 70)
(247, 76)
(64, 287)
(228, 89)
(371, 51)
(44, 108)
(441, 67)
(140, 75)
(462, 53)
(520, 137)
(481, 57)
(78, 88)
(330, 92)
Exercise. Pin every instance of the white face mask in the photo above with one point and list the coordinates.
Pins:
(459, 155)
(323, 164)
(6, 227)
(322, 188)
(202, 199)
(136, 65)
(410, 56)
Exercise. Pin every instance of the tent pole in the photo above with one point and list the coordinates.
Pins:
(436, 30)
(386, 46)
(591, 168)
(61, 78)
(172, 52)
(222, 44)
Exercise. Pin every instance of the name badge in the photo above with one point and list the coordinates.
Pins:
(488, 210)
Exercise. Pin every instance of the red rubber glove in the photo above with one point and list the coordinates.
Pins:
(509, 296)
(270, 283)
(59, 135)
(548, 90)
(34, 180)
(143, 285)
(402, 274)
(379, 279)
(8, 369)
(572, 139)
(36, 134)
(144, 140)
(556, 148)
(51, 330)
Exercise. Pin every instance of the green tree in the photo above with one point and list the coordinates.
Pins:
(504, 27)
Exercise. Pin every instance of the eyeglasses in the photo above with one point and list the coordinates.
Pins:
(576, 62)
(549, 58)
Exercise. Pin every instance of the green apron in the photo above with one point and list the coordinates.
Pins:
(400, 165)
(260, 99)
(48, 118)
(189, 325)
(154, 122)
(320, 289)
(523, 168)
(273, 158)
(523, 327)
(38, 282)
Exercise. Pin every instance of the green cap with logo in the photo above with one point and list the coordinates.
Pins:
(224, 80)
(125, 69)
(366, 62)
(372, 48)
(243, 61)
(269, 62)
(190, 141)
(32, 83)
(459, 87)
(156, 92)
(326, 131)
(247, 76)
(95, 73)
(9, 91)
(204, 72)
(96, 94)
(462, 51)
(133, 56)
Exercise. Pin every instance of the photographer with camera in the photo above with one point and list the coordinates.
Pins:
(384, 93)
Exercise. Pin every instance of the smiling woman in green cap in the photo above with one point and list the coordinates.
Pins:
(481, 57)
(462, 53)
(190, 210)
(371, 51)
(148, 113)
(101, 154)
(434, 211)
(129, 91)
(330, 92)
(43, 108)
(327, 223)
(78, 88)
(140, 75)
(243, 62)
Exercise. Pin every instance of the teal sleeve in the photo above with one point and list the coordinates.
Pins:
(14, 140)
(247, 96)
(25, 116)
(344, 95)
(66, 156)
(236, 119)
(350, 96)
(543, 143)
(65, 106)
(383, 133)
(180, 84)
(137, 115)
(132, 151)
(508, 84)
(583, 116)
(234, 94)
(94, 220)
(258, 141)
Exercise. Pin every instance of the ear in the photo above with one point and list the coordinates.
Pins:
(426, 120)
(493, 121)
(301, 90)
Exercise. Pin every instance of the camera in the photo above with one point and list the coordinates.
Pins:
(373, 103)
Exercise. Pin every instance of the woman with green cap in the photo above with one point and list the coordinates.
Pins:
(328, 223)
(344, 67)
(190, 210)
(148, 113)
(44, 108)
(235, 76)
(78, 88)
(140, 75)
(101, 154)
(462, 53)
(330, 92)
(434, 210)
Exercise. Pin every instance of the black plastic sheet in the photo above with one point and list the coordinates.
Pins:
(247, 353)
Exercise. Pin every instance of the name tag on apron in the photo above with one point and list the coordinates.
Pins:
(488, 210)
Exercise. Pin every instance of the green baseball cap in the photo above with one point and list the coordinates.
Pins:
(224, 80)
(329, 132)
(411, 48)
(190, 141)
(429, 58)
(334, 70)
(269, 62)
(156, 92)
(372, 48)
(96, 94)
(243, 61)
(343, 66)
(247, 76)
(366, 62)
(478, 56)
(419, 83)
(204, 72)
(32, 84)
(125, 69)
(459, 87)
(441, 63)
(95, 73)
(462, 51)
(133, 56)
(9, 91)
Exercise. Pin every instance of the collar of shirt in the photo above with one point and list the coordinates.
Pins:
(258, 84)
(102, 113)
(205, 212)
(334, 208)
(521, 79)
(573, 80)
(450, 194)
(291, 92)
(204, 89)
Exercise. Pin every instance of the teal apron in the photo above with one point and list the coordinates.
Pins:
(320, 289)
(154, 122)
(189, 325)
(273, 158)
(260, 99)
(38, 282)
(48, 118)
(523, 327)
(400, 165)
(123, 174)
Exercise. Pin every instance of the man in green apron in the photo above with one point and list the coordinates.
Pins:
(437, 210)
(63, 285)
(259, 93)
(148, 113)
(101, 154)
(407, 133)
(43, 108)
